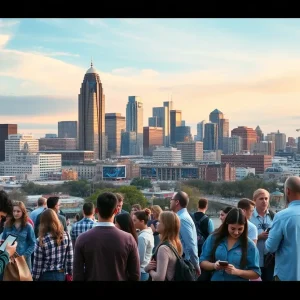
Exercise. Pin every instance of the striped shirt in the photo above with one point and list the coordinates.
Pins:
(51, 257)
(80, 227)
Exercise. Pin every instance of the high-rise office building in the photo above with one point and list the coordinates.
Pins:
(134, 121)
(217, 117)
(67, 129)
(200, 131)
(161, 118)
(175, 121)
(247, 134)
(153, 137)
(91, 114)
(210, 141)
(259, 133)
(114, 126)
(5, 131)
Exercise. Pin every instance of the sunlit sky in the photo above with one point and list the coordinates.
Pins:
(247, 68)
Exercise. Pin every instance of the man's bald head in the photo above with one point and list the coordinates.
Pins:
(292, 189)
(183, 199)
(293, 183)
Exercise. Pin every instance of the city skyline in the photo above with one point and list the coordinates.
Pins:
(246, 68)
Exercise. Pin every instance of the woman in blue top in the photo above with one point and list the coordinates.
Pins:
(18, 225)
(230, 243)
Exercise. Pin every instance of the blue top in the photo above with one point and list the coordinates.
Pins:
(252, 231)
(188, 237)
(33, 215)
(233, 256)
(25, 238)
(262, 223)
(284, 240)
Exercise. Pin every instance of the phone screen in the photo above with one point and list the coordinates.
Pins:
(223, 263)
(9, 240)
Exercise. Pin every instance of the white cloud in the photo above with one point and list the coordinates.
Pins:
(8, 23)
(4, 38)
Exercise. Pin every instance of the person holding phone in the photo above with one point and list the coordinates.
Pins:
(18, 225)
(228, 251)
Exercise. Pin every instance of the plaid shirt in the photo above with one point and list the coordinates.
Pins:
(51, 257)
(80, 227)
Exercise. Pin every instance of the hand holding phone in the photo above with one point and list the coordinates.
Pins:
(223, 263)
(8, 241)
(268, 229)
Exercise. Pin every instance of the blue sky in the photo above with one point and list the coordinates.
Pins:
(247, 68)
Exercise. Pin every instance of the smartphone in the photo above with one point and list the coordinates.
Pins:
(9, 240)
(223, 263)
(268, 229)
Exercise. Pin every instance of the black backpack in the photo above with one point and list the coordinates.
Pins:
(184, 269)
(201, 235)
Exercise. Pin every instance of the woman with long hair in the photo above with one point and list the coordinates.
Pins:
(53, 253)
(125, 223)
(145, 239)
(156, 211)
(162, 266)
(228, 251)
(18, 225)
(224, 212)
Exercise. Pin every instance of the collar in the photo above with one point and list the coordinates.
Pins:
(294, 202)
(105, 224)
(181, 211)
(255, 213)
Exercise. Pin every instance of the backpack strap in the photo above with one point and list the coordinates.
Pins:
(272, 214)
(170, 246)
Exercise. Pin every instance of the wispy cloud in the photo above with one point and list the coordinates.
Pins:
(8, 23)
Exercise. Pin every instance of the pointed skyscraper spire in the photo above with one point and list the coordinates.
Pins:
(91, 61)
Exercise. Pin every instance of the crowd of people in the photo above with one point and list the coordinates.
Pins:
(107, 243)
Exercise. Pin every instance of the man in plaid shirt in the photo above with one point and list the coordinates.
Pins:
(85, 224)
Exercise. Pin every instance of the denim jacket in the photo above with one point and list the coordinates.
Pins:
(25, 238)
(233, 256)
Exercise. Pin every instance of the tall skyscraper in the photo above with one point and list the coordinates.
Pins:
(67, 129)
(247, 134)
(114, 125)
(162, 116)
(91, 114)
(217, 117)
(134, 121)
(175, 121)
(5, 131)
(259, 133)
(210, 140)
(200, 131)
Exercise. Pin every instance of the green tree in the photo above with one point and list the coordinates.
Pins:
(141, 183)
(194, 195)
(131, 196)
(18, 195)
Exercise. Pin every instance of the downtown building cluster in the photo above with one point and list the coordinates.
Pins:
(102, 145)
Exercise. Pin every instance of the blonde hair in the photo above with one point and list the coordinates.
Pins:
(171, 225)
(258, 192)
(156, 209)
(50, 223)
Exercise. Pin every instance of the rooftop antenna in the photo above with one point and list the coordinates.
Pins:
(91, 61)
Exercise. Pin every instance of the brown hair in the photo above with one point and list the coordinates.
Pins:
(50, 223)
(24, 219)
(156, 209)
(245, 203)
(202, 203)
(143, 215)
